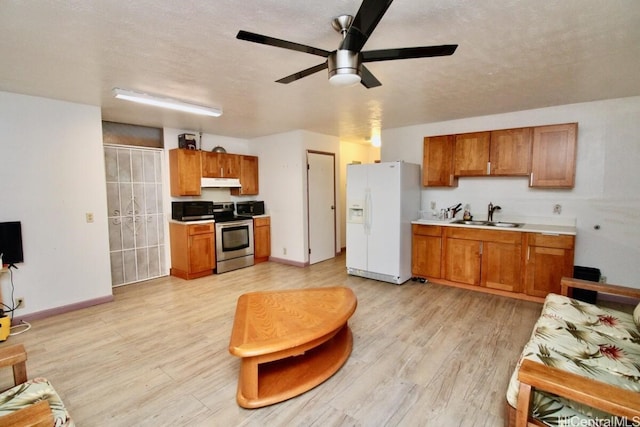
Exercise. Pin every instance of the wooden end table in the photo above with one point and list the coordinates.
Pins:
(290, 341)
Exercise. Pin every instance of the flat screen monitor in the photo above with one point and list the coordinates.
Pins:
(11, 242)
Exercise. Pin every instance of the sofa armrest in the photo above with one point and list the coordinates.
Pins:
(608, 398)
(567, 285)
(16, 357)
(37, 415)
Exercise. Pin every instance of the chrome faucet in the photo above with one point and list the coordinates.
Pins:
(490, 211)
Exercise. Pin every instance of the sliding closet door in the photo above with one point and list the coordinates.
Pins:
(134, 201)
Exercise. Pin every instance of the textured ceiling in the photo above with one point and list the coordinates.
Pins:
(512, 55)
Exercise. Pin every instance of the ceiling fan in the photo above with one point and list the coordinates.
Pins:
(345, 64)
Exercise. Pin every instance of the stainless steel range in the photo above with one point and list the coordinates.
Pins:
(234, 239)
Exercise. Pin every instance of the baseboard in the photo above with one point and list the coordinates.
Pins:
(62, 309)
(289, 262)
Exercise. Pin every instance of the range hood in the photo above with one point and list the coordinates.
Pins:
(220, 183)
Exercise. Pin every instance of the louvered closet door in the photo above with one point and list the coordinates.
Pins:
(135, 214)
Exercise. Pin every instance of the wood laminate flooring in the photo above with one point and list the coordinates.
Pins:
(423, 354)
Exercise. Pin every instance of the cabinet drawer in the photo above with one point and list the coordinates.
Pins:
(427, 230)
(514, 237)
(551, 240)
(262, 221)
(201, 228)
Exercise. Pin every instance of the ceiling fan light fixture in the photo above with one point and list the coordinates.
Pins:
(173, 104)
(346, 79)
(344, 68)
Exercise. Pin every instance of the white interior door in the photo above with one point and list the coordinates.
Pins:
(321, 206)
(134, 203)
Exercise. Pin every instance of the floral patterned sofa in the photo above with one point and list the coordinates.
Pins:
(581, 366)
(30, 402)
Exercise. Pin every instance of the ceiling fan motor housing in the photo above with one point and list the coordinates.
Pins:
(343, 64)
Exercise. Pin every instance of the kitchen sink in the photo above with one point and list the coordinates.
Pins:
(489, 223)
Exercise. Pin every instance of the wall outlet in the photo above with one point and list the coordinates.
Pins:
(432, 206)
(89, 217)
(557, 208)
(284, 251)
(603, 279)
(19, 302)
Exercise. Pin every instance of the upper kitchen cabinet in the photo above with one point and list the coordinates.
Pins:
(437, 161)
(184, 170)
(510, 152)
(471, 154)
(553, 156)
(220, 165)
(504, 152)
(248, 177)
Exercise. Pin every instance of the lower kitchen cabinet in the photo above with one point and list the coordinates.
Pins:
(487, 258)
(261, 239)
(549, 258)
(522, 264)
(501, 265)
(192, 249)
(462, 261)
(426, 251)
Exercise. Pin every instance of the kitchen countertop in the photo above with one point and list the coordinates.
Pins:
(526, 228)
(202, 221)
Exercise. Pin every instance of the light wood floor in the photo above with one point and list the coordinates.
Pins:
(423, 354)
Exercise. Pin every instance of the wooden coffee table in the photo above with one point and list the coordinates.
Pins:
(290, 341)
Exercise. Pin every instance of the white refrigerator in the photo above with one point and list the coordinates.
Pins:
(382, 200)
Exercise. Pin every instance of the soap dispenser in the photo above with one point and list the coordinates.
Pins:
(467, 213)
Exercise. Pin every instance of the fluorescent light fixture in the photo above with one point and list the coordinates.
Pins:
(172, 104)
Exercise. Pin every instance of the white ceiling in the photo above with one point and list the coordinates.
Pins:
(512, 55)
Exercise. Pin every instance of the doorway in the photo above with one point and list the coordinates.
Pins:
(135, 214)
(321, 205)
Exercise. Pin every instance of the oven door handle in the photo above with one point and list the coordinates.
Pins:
(234, 223)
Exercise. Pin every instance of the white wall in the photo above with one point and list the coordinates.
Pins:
(607, 190)
(51, 174)
(283, 187)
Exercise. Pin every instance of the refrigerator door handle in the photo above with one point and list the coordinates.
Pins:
(367, 211)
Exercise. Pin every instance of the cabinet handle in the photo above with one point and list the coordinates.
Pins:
(221, 171)
(531, 179)
(488, 168)
(481, 247)
(528, 252)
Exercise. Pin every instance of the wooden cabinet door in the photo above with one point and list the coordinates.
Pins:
(510, 152)
(248, 177)
(553, 156)
(230, 164)
(426, 252)
(184, 172)
(437, 161)
(201, 253)
(462, 261)
(471, 156)
(220, 165)
(501, 266)
(261, 239)
(210, 165)
(549, 258)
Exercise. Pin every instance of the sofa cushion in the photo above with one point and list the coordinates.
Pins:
(31, 392)
(595, 342)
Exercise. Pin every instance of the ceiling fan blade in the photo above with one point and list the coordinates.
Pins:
(271, 41)
(304, 73)
(408, 52)
(365, 21)
(368, 80)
